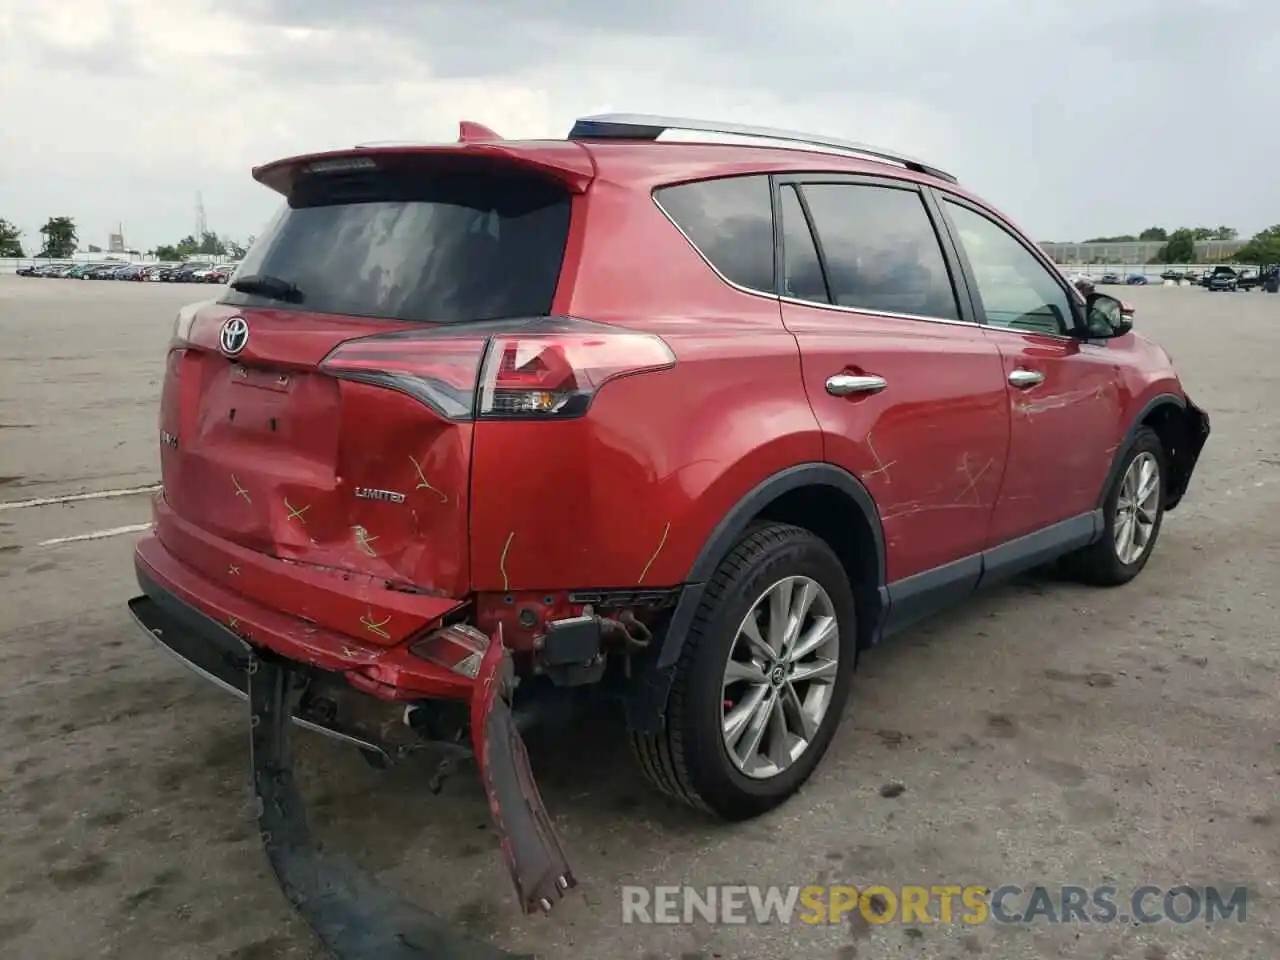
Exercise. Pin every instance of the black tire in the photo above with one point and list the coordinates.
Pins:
(688, 759)
(1100, 564)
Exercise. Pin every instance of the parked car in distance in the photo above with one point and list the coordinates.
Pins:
(103, 271)
(858, 394)
(1137, 280)
(187, 272)
(82, 271)
(220, 274)
(43, 269)
(1109, 278)
(210, 274)
(1249, 278)
(1222, 278)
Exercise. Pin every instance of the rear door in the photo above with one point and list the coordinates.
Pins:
(909, 392)
(1062, 390)
(320, 413)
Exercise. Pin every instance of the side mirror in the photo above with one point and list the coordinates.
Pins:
(1107, 317)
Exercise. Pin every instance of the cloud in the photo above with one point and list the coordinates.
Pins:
(1076, 118)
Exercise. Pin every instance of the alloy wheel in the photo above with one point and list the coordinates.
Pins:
(1137, 508)
(780, 676)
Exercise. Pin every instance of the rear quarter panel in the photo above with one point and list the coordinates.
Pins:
(628, 495)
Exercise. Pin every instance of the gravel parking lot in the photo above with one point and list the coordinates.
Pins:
(1044, 733)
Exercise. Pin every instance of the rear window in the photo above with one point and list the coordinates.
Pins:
(433, 245)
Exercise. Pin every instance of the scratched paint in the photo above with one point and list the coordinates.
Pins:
(364, 540)
(881, 466)
(1059, 402)
(376, 627)
(973, 479)
(917, 507)
(662, 542)
(502, 561)
(297, 513)
(425, 484)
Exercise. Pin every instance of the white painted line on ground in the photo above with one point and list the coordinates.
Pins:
(96, 535)
(77, 497)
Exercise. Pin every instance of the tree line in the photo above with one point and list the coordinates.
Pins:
(1179, 246)
(60, 239)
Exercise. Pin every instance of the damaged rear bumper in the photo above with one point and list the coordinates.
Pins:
(349, 911)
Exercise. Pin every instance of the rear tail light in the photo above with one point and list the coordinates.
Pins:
(550, 368)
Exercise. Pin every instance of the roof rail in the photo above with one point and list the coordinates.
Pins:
(639, 126)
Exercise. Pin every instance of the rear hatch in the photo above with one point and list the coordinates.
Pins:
(291, 427)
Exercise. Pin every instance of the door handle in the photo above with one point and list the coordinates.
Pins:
(1025, 378)
(844, 384)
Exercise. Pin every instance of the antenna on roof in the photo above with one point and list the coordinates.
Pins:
(630, 126)
(471, 132)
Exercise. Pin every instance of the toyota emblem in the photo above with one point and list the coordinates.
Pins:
(234, 336)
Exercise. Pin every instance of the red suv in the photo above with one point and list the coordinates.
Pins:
(484, 427)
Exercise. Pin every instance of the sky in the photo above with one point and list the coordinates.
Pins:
(1076, 118)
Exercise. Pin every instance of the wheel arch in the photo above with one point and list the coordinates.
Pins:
(820, 497)
(1162, 413)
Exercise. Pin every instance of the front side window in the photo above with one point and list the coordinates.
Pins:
(1017, 290)
(880, 250)
(730, 221)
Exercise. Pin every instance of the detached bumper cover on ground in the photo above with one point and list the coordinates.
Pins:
(353, 915)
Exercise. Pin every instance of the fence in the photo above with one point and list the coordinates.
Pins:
(10, 265)
(1151, 271)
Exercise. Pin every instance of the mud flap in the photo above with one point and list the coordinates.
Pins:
(352, 914)
(532, 851)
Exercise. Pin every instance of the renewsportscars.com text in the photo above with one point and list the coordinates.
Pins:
(940, 903)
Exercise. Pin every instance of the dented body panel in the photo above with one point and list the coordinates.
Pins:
(931, 448)
(271, 453)
(1062, 433)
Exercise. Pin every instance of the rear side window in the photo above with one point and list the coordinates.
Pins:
(730, 221)
(880, 250)
(440, 246)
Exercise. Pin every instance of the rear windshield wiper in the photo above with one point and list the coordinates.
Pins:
(268, 286)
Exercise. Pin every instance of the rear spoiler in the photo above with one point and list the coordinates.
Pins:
(569, 163)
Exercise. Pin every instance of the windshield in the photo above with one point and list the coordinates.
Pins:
(436, 245)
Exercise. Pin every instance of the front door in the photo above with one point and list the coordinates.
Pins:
(1063, 391)
(910, 394)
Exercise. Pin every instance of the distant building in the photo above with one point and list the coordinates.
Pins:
(1137, 251)
(115, 241)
